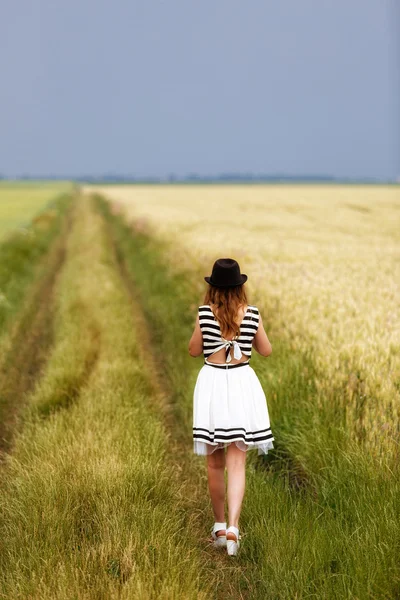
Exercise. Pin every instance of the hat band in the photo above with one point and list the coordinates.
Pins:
(225, 284)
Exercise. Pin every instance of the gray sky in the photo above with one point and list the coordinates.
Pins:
(149, 87)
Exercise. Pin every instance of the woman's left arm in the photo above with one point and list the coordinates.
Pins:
(196, 341)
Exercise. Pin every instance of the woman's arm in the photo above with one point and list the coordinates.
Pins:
(261, 342)
(196, 341)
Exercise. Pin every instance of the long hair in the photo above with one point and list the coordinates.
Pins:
(227, 301)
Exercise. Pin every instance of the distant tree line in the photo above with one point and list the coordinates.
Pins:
(196, 178)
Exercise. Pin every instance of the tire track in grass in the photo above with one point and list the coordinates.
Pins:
(60, 386)
(30, 340)
(231, 580)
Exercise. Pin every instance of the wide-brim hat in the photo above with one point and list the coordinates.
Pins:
(226, 273)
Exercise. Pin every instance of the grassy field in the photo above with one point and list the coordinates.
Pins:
(21, 201)
(101, 495)
(91, 504)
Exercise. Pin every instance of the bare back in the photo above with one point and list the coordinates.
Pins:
(220, 356)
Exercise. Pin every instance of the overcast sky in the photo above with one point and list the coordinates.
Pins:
(149, 88)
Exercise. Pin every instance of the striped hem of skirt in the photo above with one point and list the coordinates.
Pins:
(232, 434)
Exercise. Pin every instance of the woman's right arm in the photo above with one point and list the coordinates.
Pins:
(261, 342)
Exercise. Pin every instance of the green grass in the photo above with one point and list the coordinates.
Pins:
(21, 253)
(320, 515)
(92, 505)
(29, 266)
(21, 201)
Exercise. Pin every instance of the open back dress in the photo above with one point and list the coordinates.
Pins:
(229, 403)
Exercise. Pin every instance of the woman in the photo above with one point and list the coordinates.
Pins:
(229, 405)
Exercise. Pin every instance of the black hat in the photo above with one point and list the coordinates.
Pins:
(226, 273)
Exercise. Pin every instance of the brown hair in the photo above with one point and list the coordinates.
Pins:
(227, 300)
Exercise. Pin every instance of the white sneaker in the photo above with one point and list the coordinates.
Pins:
(232, 540)
(219, 541)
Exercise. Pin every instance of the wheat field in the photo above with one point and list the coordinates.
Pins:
(323, 264)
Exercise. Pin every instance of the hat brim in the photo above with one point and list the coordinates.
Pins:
(243, 280)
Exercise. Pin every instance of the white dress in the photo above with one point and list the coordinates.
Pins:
(229, 403)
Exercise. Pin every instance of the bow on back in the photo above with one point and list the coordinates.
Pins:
(228, 344)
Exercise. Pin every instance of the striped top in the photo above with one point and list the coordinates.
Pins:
(212, 337)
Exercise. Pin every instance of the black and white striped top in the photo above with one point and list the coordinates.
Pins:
(212, 337)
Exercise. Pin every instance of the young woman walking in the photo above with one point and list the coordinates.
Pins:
(229, 405)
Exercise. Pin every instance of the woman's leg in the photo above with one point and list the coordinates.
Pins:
(236, 467)
(216, 483)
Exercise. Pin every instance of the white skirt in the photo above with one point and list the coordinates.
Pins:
(229, 405)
